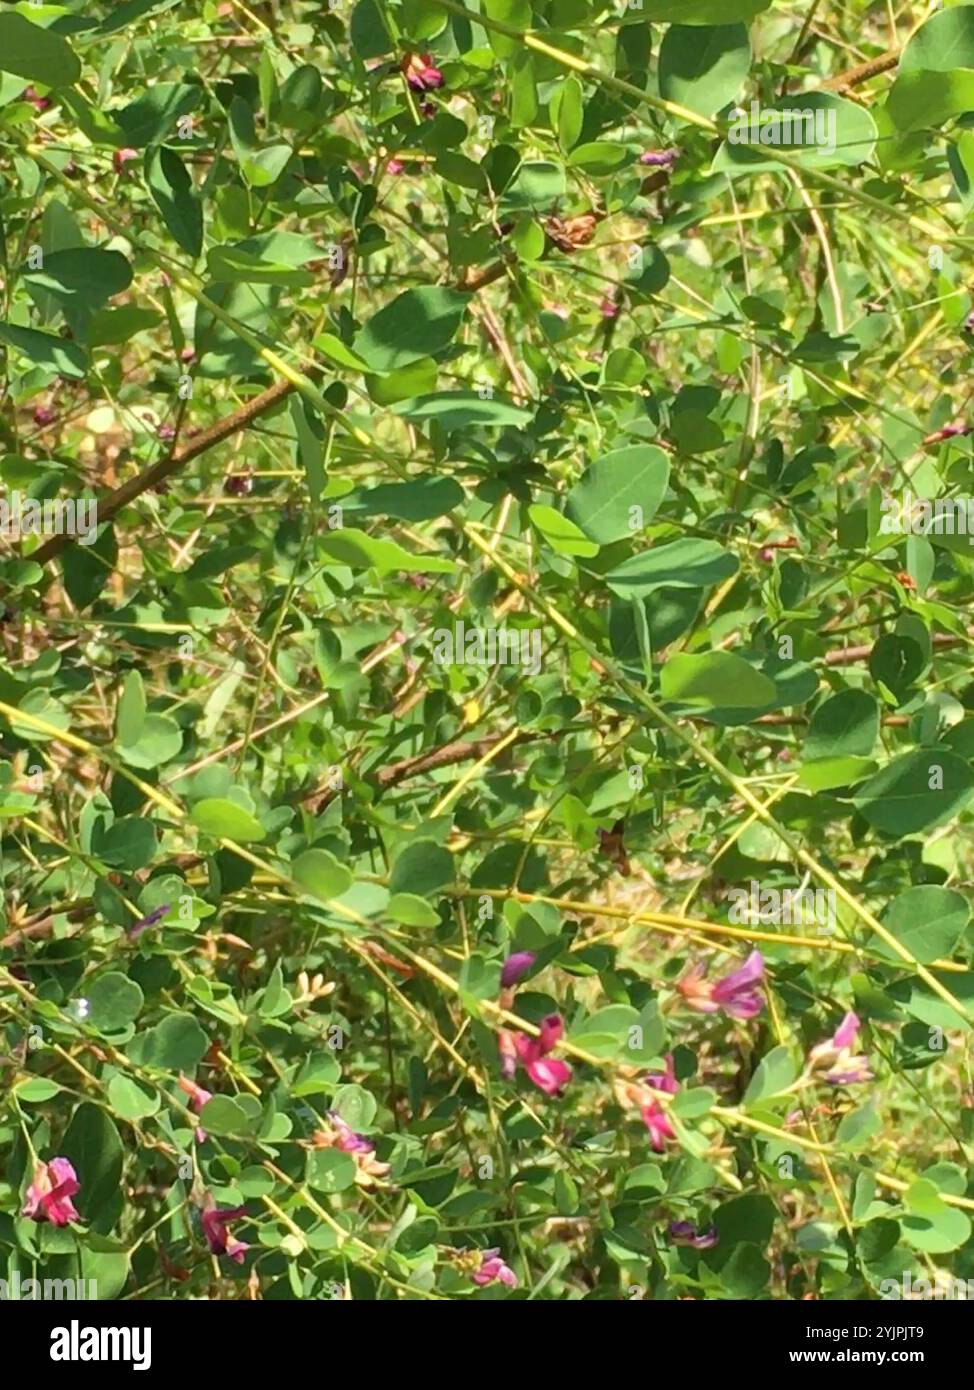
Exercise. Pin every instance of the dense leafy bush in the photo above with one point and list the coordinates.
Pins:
(486, 795)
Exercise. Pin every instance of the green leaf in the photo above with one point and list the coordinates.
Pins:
(858, 1127)
(422, 868)
(114, 1002)
(92, 1144)
(319, 873)
(177, 1043)
(916, 791)
(82, 274)
(714, 679)
(418, 323)
(173, 194)
(154, 116)
(318, 1075)
(943, 42)
(931, 1225)
(224, 1116)
(360, 551)
(232, 264)
(702, 11)
(829, 131)
(335, 350)
(749, 1218)
(775, 1072)
(128, 844)
(683, 564)
(412, 910)
(36, 54)
(559, 532)
(45, 350)
(356, 1105)
(928, 920)
(259, 167)
(37, 1090)
(599, 157)
(621, 488)
(845, 725)
(461, 409)
(130, 1100)
(566, 111)
(159, 741)
(330, 1170)
(746, 1272)
(131, 709)
(226, 820)
(704, 69)
(921, 100)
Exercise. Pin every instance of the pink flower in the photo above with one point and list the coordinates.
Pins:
(348, 1141)
(395, 166)
(655, 1118)
(659, 159)
(548, 1073)
(659, 1125)
(420, 73)
(215, 1221)
(608, 309)
(516, 967)
(738, 993)
(36, 100)
(49, 1195)
(197, 1099)
(685, 1233)
(341, 1136)
(836, 1057)
(493, 1267)
(122, 157)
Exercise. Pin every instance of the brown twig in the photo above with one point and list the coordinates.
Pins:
(855, 77)
(238, 419)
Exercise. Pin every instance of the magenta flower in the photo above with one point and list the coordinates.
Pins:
(836, 1057)
(215, 1221)
(348, 1141)
(156, 915)
(34, 97)
(197, 1099)
(685, 1233)
(549, 1074)
(122, 157)
(49, 1195)
(341, 1136)
(420, 73)
(43, 415)
(738, 994)
(516, 967)
(655, 1117)
(659, 159)
(948, 432)
(493, 1267)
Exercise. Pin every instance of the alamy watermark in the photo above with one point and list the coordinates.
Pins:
(769, 126)
(16, 1290)
(488, 646)
(788, 907)
(57, 516)
(942, 1286)
(925, 516)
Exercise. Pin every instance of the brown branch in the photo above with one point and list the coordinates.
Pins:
(848, 656)
(151, 477)
(855, 77)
